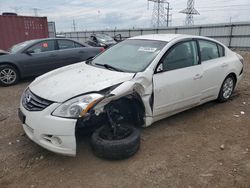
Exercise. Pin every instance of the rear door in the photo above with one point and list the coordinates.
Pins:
(176, 82)
(72, 52)
(39, 58)
(214, 65)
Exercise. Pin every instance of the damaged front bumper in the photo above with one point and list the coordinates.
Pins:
(53, 133)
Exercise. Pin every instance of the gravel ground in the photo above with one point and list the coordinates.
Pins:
(207, 146)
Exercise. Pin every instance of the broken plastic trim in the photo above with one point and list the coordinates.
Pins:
(128, 109)
(92, 105)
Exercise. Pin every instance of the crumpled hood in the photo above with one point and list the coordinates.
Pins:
(64, 83)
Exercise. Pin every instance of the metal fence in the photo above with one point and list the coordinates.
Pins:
(233, 35)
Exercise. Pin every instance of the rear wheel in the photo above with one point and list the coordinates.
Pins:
(227, 89)
(8, 75)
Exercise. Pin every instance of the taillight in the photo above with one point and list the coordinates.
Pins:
(242, 61)
(102, 49)
(240, 58)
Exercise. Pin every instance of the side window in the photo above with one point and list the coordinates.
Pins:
(221, 50)
(78, 45)
(44, 46)
(209, 50)
(65, 44)
(180, 56)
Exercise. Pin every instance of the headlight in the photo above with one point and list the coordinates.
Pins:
(76, 107)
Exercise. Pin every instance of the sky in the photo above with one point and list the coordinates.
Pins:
(124, 14)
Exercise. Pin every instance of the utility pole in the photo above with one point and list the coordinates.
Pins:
(190, 11)
(74, 25)
(159, 16)
(168, 14)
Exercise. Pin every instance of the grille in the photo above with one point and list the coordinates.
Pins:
(31, 102)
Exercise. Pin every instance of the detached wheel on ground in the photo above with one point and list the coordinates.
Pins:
(227, 89)
(8, 75)
(125, 144)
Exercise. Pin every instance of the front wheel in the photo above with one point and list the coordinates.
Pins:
(8, 75)
(124, 145)
(227, 88)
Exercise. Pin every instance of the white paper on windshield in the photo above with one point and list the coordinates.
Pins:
(147, 49)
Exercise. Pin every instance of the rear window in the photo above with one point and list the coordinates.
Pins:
(68, 44)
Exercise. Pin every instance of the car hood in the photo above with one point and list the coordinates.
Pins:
(67, 82)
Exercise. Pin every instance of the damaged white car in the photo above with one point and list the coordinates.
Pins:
(136, 82)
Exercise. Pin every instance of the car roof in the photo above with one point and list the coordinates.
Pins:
(160, 37)
(42, 39)
(169, 37)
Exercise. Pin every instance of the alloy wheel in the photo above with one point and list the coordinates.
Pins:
(8, 76)
(228, 87)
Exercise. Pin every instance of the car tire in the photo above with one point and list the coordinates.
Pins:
(115, 149)
(227, 88)
(9, 75)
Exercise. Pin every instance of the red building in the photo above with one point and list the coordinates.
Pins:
(15, 29)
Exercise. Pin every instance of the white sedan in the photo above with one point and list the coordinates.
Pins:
(143, 79)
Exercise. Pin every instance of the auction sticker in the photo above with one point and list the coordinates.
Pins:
(147, 49)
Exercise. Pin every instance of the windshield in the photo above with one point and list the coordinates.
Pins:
(130, 55)
(104, 38)
(19, 46)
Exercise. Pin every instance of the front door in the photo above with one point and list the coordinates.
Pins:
(39, 58)
(177, 80)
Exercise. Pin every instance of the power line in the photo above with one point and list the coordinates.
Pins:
(218, 9)
(224, 10)
(224, 6)
(220, 6)
(15, 9)
(36, 11)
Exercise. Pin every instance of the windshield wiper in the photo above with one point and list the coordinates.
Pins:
(109, 67)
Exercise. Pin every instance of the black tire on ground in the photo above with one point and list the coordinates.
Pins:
(115, 149)
(12, 72)
(227, 88)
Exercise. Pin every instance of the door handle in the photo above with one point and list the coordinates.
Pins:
(224, 65)
(197, 76)
(81, 52)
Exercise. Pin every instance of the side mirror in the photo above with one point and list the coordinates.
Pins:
(29, 52)
(159, 68)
